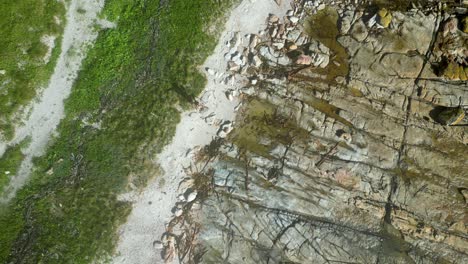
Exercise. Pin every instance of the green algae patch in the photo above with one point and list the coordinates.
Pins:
(393, 246)
(262, 127)
(323, 27)
(355, 92)
(328, 109)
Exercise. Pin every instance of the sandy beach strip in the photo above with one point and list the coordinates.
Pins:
(153, 207)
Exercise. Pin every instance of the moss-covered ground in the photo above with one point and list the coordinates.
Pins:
(22, 25)
(130, 81)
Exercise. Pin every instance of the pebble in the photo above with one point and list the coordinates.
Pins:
(253, 41)
(158, 244)
(178, 212)
(229, 95)
(210, 71)
(304, 60)
(232, 66)
(273, 19)
(256, 61)
(181, 198)
(278, 45)
(225, 129)
(191, 196)
(293, 19)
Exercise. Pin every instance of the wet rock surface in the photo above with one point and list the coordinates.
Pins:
(338, 153)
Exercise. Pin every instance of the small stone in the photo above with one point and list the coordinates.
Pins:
(278, 45)
(229, 95)
(210, 71)
(304, 60)
(273, 32)
(2, 72)
(232, 66)
(256, 61)
(178, 212)
(236, 40)
(293, 35)
(253, 41)
(281, 30)
(372, 21)
(225, 129)
(451, 26)
(254, 81)
(293, 47)
(385, 17)
(158, 244)
(7, 172)
(192, 196)
(273, 19)
(293, 19)
(181, 198)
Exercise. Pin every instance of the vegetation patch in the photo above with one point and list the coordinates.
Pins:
(328, 18)
(263, 122)
(23, 70)
(10, 162)
(130, 81)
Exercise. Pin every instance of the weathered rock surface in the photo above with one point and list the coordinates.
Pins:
(341, 164)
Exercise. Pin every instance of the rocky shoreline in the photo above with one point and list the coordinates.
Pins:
(348, 145)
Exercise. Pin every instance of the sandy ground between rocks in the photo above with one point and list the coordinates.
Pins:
(152, 208)
(49, 109)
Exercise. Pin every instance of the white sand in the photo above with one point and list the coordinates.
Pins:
(146, 222)
(49, 109)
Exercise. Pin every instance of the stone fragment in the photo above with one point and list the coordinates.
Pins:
(158, 244)
(210, 71)
(232, 66)
(384, 17)
(450, 26)
(273, 19)
(256, 61)
(178, 212)
(278, 45)
(192, 196)
(304, 60)
(225, 129)
(181, 198)
(293, 19)
(229, 95)
(359, 31)
(253, 41)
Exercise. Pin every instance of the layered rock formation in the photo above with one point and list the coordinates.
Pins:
(339, 153)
